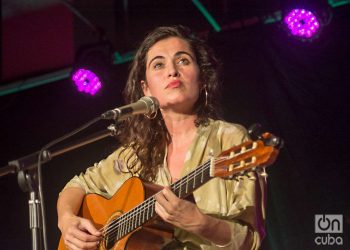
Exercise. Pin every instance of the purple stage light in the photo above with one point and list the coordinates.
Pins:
(86, 81)
(302, 23)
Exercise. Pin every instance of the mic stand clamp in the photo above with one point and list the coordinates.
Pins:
(26, 169)
(27, 180)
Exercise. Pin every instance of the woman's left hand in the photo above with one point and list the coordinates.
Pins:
(178, 212)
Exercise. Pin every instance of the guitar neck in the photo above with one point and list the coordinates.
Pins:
(186, 185)
(144, 212)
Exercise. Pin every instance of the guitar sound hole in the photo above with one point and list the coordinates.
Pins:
(109, 242)
(111, 232)
(110, 238)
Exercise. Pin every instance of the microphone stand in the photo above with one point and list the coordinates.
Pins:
(29, 167)
(27, 178)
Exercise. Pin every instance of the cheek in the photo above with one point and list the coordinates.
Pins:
(196, 83)
(155, 81)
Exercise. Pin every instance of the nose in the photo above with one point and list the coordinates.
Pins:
(173, 70)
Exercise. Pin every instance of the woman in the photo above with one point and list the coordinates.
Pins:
(182, 73)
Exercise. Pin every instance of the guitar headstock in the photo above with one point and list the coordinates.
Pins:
(250, 155)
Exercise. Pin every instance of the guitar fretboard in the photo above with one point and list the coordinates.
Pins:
(144, 212)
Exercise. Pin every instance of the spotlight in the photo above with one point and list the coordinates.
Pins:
(302, 23)
(86, 81)
(91, 69)
(306, 20)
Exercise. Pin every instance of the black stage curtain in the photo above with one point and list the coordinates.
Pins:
(296, 90)
(299, 91)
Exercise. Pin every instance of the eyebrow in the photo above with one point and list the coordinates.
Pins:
(176, 55)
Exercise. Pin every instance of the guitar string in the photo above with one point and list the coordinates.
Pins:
(135, 213)
(125, 222)
(122, 222)
(123, 219)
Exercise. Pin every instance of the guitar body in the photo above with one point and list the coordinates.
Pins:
(133, 192)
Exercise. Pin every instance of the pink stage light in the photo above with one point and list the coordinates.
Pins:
(302, 23)
(86, 81)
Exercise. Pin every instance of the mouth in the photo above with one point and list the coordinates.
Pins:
(173, 84)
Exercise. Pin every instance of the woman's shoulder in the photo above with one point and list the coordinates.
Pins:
(225, 127)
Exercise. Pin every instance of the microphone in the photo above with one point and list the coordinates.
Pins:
(146, 105)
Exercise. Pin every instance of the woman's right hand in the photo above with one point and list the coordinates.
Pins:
(79, 233)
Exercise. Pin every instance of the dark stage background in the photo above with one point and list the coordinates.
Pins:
(297, 90)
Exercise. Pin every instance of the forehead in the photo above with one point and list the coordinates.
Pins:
(169, 46)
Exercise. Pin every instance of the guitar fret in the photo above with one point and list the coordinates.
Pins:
(202, 176)
(122, 228)
(150, 206)
(135, 219)
(187, 183)
(127, 228)
(139, 218)
(143, 217)
(145, 211)
(131, 221)
(180, 190)
(118, 233)
(194, 179)
(125, 225)
(151, 210)
(148, 211)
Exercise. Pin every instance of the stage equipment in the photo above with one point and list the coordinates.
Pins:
(92, 67)
(302, 23)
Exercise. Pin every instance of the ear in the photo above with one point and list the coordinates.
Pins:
(145, 88)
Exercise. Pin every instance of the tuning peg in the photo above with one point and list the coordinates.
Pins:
(263, 173)
(277, 142)
(255, 131)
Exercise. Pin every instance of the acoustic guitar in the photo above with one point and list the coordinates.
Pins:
(128, 219)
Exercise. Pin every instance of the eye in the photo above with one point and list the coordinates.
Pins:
(183, 61)
(158, 65)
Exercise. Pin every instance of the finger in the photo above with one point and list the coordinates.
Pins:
(86, 237)
(169, 194)
(89, 227)
(70, 245)
(168, 200)
(79, 238)
(76, 243)
(160, 197)
(162, 212)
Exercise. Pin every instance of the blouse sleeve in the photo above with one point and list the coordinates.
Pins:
(245, 201)
(106, 176)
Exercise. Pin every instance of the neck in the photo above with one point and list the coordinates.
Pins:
(179, 126)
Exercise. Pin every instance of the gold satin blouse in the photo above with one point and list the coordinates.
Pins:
(240, 201)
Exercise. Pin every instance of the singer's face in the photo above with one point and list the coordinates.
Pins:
(172, 75)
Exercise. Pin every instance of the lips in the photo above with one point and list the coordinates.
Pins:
(173, 84)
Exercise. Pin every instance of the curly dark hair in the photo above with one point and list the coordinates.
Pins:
(149, 137)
